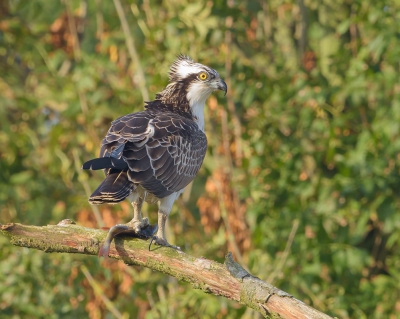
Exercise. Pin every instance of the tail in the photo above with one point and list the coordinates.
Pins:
(114, 189)
(105, 162)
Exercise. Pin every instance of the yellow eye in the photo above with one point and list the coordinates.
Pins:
(203, 76)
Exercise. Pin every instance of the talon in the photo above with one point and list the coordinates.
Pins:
(162, 242)
(139, 225)
(151, 241)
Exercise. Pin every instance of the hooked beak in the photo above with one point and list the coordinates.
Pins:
(222, 86)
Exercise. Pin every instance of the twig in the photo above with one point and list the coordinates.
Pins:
(99, 20)
(225, 219)
(72, 28)
(130, 44)
(267, 25)
(353, 32)
(99, 292)
(229, 280)
(302, 28)
(45, 57)
(83, 101)
(149, 15)
(85, 184)
(230, 102)
(225, 139)
(285, 254)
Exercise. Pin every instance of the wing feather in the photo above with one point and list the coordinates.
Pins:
(163, 150)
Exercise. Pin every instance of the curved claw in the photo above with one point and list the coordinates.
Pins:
(144, 233)
(162, 242)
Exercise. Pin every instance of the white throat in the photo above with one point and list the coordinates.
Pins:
(198, 113)
(197, 95)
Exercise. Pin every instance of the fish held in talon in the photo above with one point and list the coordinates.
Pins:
(124, 230)
(152, 155)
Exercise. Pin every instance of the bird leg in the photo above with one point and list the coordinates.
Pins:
(138, 227)
(138, 222)
(160, 238)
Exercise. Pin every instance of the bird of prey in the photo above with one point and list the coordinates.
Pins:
(154, 154)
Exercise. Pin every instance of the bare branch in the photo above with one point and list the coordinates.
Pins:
(130, 44)
(229, 280)
(98, 291)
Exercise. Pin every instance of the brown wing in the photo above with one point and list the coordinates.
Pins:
(163, 152)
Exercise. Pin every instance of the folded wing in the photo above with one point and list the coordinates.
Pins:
(161, 152)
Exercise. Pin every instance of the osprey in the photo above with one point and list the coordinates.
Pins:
(154, 154)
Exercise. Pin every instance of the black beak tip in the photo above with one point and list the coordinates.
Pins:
(223, 87)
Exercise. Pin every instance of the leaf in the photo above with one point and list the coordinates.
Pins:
(21, 178)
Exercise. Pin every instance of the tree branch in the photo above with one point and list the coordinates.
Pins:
(229, 279)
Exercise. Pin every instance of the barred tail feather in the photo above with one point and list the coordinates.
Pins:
(114, 189)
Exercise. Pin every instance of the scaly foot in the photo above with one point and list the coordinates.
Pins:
(138, 225)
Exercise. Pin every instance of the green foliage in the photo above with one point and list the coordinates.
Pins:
(315, 87)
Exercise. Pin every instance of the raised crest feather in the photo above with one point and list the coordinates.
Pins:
(182, 61)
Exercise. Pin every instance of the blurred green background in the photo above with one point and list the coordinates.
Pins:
(301, 180)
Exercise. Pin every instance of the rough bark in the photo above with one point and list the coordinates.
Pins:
(229, 279)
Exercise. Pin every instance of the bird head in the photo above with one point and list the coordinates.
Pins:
(198, 80)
